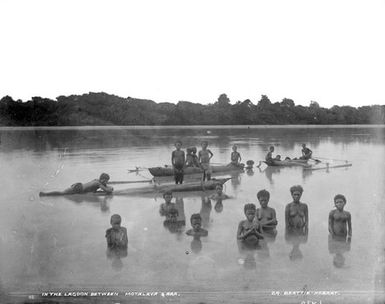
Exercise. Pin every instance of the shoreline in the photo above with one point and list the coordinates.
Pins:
(139, 127)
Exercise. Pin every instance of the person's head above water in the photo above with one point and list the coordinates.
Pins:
(196, 221)
(178, 144)
(263, 197)
(219, 188)
(271, 149)
(194, 149)
(104, 178)
(296, 188)
(235, 148)
(115, 221)
(167, 196)
(204, 144)
(303, 145)
(296, 192)
(339, 201)
(250, 210)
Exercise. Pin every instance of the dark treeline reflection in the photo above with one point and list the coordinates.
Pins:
(112, 138)
(104, 109)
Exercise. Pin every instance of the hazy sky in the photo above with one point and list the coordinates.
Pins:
(329, 51)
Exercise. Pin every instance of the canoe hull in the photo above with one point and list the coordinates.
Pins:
(169, 171)
(288, 163)
(195, 186)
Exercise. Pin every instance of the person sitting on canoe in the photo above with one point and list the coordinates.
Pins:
(235, 157)
(266, 215)
(219, 195)
(90, 187)
(117, 235)
(178, 160)
(306, 152)
(196, 223)
(269, 156)
(204, 157)
(296, 213)
(191, 157)
(249, 229)
(167, 205)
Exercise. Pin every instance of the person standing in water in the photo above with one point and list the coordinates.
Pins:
(235, 157)
(296, 212)
(204, 157)
(266, 215)
(117, 235)
(340, 221)
(178, 160)
(249, 229)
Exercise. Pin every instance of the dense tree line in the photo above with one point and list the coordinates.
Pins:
(105, 109)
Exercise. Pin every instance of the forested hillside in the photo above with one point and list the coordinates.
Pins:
(105, 109)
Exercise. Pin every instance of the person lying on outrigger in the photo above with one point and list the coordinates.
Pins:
(90, 187)
(306, 152)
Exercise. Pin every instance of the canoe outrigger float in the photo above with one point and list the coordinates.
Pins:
(169, 171)
(192, 186)
(328, 166)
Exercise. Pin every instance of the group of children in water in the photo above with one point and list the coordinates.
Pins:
(259, 223)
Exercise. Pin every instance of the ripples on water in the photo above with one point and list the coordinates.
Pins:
(59, 242)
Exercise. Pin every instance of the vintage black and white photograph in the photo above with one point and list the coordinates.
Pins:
(202, 152)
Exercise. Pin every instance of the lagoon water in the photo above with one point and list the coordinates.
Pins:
(58, 243)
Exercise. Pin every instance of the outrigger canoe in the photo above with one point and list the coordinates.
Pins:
(169, 171)
(288, 163)
(192, 186)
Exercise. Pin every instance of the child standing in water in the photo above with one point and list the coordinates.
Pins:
(117, 235)
(249, 229)
(204, 157)
(196, 223)
(178, 160)
(167, 205)
(191, 157)
(340, 223)
(266, 215)
(296, 213)
(235, 156)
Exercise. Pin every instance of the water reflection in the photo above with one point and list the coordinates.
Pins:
(296, 237)
(115, 255)
(247, 251)
(83, 137)
(196, 245)
(205, 211)
(338, 246)
(102, 201)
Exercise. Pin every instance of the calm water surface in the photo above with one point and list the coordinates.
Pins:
(58, 243)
